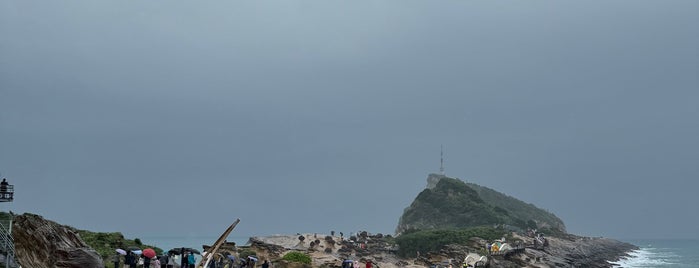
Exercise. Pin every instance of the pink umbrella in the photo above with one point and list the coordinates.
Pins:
(149, 253)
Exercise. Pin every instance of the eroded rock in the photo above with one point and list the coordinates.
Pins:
(44, 243)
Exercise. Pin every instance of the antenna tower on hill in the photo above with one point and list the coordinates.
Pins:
(441, 159)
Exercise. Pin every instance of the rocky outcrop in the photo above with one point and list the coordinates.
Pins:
(451, 203)
(43, 243)
(564, 251)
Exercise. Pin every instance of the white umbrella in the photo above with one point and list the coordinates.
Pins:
(121, 251)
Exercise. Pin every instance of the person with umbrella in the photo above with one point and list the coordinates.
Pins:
(164, 260)
(155, 263)
(183, 260)
(191, 260)
(128, 260)
(252, 261)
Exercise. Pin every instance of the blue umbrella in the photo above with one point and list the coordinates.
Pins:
(231, 257)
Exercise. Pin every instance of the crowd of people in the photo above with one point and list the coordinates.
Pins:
(171, 260)
(185, 260)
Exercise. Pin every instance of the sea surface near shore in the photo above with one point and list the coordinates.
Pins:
(167, 242)
(681, 253)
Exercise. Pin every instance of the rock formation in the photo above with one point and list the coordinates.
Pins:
(43, 243)
(451, 203)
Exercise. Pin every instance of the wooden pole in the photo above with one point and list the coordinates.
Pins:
(205, 258)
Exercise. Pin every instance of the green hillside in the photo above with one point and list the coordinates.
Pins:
(519, 209)
(451, 203)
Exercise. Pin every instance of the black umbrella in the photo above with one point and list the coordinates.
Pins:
(179, 251)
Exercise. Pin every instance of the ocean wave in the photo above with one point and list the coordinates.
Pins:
(644, 257)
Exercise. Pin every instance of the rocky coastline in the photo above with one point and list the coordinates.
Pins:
(43, 243)
(568, 251)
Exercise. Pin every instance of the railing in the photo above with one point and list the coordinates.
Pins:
(7, 246)
(7, 193)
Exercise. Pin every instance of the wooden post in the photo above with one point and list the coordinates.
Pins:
(205, 258)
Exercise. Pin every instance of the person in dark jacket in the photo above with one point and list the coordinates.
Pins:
(265, 264)
(128, 260)
(183, 260)
(164, 260)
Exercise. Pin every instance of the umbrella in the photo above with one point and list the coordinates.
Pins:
(179, 251)
(137, 252)
(347, 261)
(231, 257)
(121, 251)
(252, 258)
(149, 253)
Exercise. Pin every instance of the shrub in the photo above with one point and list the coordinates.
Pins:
(246, 252)
(296, 256)
(433, 240)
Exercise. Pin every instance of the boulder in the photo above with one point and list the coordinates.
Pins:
(43, 243)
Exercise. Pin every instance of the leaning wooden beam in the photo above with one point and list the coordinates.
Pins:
(212, 251)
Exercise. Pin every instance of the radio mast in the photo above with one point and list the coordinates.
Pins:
(441, 159)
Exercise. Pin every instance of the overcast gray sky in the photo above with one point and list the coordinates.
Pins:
(160, 117)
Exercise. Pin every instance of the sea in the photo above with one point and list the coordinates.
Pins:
(661, 253)
(167, 242)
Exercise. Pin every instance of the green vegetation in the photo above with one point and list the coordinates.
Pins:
(452, 204)
(296, 256)
(243, 253)
(433, 240)
(455, 204)
(106, 243)
(530, 215)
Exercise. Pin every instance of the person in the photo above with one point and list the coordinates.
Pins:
(368, 264)
(183, 261)
(171, 261)
(3, 185)
(265, 264)
(191, 260)
(116, 260)
(129, 260)
(243, 263)
(164, 260)
(155, 263)
(146, 262)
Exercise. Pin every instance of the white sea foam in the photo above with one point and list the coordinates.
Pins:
(644, 257)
